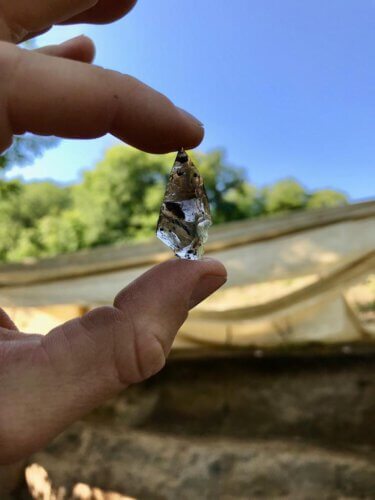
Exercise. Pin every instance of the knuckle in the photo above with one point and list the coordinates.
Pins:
(99, 317)
(138, 353)
(151, 355)
(132, 345)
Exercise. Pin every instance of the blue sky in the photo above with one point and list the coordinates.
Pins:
(287, 87)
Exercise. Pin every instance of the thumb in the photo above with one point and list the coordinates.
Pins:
(85, 361)
(133, 338)
(158, 304)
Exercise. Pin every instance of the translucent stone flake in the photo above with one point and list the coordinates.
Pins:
(185, 213)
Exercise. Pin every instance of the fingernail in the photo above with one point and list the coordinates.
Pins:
(207, 285)
(191, 117)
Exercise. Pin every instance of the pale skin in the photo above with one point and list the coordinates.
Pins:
(47, 382)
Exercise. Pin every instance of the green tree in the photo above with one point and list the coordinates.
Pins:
(51, 235)
(22, 211)
(23, 151)
(284, 196)
(34, 200)
(120, 199)
(231, 196)
(242, 202)
(9, 234)
(327, 198)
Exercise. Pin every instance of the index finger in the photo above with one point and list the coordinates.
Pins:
(105, 11)
(52, 96)
(19, 19)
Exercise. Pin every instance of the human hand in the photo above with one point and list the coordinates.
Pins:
(47, 382)
(55, 91)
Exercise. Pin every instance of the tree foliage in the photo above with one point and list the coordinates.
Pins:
(22, 212)
(326, 198)
(119, 201)
(284, 196)
(23, 151)
(120, 198)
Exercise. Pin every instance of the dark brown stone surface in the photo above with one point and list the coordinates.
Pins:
(148, 466)
(319, 400)
(275, 428)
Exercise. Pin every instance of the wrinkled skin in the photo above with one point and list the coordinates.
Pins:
(47, 382)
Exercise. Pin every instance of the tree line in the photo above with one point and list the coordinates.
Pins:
(119, 200)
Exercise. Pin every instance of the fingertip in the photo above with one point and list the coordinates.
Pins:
(194, 129)
(176, 281)
(199, 278)
(216, 266)
(206, 286)
(80, 48)
(206, 265)
(183, 130)
(210, 276)
(89, 46)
